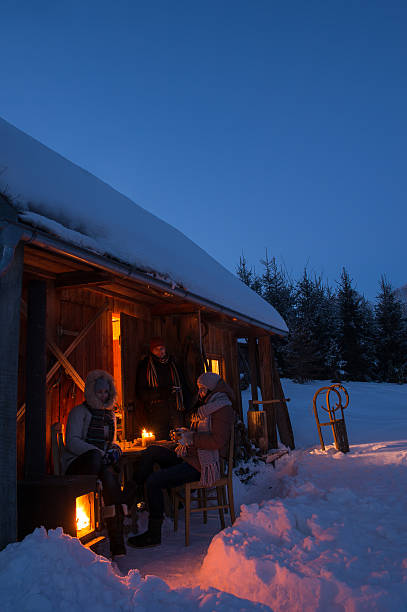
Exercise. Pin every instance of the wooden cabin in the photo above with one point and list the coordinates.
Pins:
(87, 277)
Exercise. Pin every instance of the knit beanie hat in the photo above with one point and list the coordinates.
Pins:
(209, 380)
(157, 341)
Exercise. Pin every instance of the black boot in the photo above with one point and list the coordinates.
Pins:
(151, 537)
(114, 527)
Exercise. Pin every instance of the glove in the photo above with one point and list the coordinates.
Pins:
(186, 439)
(113, 455)
(177, 433)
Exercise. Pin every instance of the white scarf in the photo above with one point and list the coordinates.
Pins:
(209, 459)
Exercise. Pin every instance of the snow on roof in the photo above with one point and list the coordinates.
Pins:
(64, 200)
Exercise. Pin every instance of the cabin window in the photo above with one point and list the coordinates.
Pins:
(215, 364)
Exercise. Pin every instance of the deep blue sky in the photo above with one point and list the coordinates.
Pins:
(247, 125)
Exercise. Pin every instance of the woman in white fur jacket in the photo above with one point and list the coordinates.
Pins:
(90, 449)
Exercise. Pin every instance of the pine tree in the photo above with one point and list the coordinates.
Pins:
(256, 282)
(243, 271)
(248, 276)
(354, 331)
(310, 345)
(276, 288)
(391, 335)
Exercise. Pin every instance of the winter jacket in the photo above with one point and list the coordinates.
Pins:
(80, 417)
(221, 426)
(159, 408)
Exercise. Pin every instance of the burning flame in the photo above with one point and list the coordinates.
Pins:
(147, 434)
(147, 437)
(83, 518)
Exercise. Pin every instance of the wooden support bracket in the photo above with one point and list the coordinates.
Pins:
(62, 357)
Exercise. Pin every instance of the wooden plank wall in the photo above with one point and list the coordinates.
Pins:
(222, 342)
(71, 310)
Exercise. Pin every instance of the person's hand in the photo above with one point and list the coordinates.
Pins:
(177, 433)
(112, 455)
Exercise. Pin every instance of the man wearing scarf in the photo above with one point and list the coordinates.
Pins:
(161, 390)
(196, 456)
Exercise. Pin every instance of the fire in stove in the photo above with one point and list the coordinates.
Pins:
(85, 514)
(70, 502)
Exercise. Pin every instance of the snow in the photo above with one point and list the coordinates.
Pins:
(322, 531)
(63, 200)
(53, 571)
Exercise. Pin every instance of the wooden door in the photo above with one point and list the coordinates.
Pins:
(134, 338)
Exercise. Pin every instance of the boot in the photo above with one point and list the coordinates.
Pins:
(151, 537)
(114, 526)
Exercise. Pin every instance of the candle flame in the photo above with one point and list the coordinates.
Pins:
(147, 434)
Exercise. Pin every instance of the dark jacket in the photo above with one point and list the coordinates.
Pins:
(159, 404)
(221, 426)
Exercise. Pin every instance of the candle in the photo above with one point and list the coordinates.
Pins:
(147, 437)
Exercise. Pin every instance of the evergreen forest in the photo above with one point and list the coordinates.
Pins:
(335, 332)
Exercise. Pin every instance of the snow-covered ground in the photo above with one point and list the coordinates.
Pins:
(321, 531)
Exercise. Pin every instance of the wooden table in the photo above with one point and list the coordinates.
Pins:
(132, 455)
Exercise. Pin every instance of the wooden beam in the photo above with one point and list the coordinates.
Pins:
(279, 418)
(267, 388)
(284, 427)
(10, 295)
(69, 369)
(66, 354)
(253, 367)
(35, 418)
(81, 279)
(38, 272)
(121, 296)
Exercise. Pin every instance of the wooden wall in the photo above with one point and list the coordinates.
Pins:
(68, 313)
(219, 341)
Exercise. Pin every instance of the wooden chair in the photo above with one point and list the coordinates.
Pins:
(57, 446)
(223, 486)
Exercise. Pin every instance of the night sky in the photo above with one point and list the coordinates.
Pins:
(247, 125)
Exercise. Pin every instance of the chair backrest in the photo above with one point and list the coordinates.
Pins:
(229, 460)
(57, 446)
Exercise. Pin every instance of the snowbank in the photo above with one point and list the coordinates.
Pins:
(333, 536)
(48, 572)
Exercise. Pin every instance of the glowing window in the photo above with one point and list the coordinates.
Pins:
(215, 364)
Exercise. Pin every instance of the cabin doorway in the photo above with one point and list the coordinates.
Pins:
(117, 375)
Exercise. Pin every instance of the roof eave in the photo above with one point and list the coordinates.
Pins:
(42, 239)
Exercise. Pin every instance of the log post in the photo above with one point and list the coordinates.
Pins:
(35, 415)
(253, 367)
(284, 427)
(10, 296)
(267, 388)
(272, 389)
(257, 428)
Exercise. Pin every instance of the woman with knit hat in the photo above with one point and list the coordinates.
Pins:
(196, 457)
(161, 389)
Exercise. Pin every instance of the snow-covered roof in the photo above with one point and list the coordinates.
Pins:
(64, 200)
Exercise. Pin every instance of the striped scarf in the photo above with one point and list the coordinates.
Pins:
(201, 421)
(152, 378)
(96, 430)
